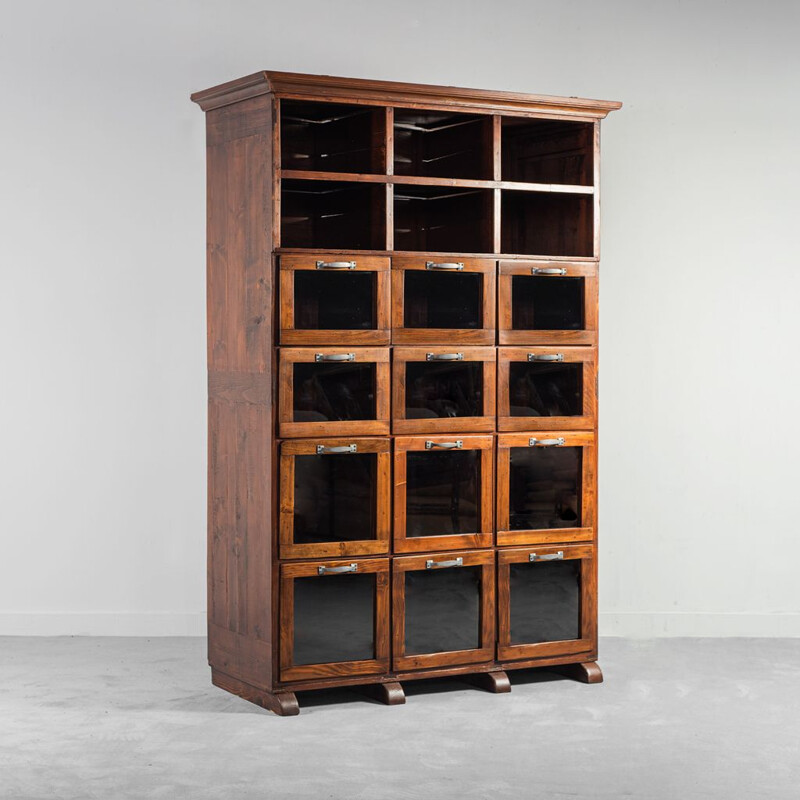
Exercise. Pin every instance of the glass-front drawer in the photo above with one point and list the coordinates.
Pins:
(335, 497)
(436, 300)
(328, 298)
(547, 602)
(545, 487)
(547, 302)
(443, 609)
(442, 492)
(333, 391)
(438, 389)
(334, 618)
(546, 388)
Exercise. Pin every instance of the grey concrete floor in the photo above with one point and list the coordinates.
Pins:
(138, 718)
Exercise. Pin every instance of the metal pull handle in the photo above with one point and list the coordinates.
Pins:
(559, 556)
(336, 264)
(456, 445)
(533, 442)
(548, 271)
(337, 570)
(452, 265)
(545, 357)
(453, 562)
(334, 356)
(323, 449)
(444, 356)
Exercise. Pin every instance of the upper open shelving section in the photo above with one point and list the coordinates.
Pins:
(409, 168)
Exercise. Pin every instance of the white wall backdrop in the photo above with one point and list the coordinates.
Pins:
(102, 518)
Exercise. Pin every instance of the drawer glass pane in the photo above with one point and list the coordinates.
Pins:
(442, 610)
(546, 303)
(335, 498)
(545, 390)
(545, 488)
(444, 389)
(327, 392)
(334, 618)
(545, 601)
(436, 300)
(324, 301)
(442, 492)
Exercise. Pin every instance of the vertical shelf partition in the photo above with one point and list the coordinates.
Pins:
(402, 353)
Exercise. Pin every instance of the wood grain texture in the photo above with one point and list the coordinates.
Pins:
(583, 671)
(412, 95)
(494, 682)
(251, 321)
(390, 693)
(241, 457)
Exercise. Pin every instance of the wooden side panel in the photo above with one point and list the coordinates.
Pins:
(241, 450)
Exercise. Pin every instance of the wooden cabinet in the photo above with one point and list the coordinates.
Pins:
(402, 353)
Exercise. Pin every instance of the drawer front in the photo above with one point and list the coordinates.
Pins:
(443, 492)
(545, 487)
(547, 602)
(440, 301)
(336, 299)
(334, 618)
(333, 391)
(438, 389)
(335, 497)
(546, 388)
(547, 302)
(443, 609)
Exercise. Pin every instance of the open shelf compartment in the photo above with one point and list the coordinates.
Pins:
(333, 215)
(547, 151)
(440, 144)
(332, 137)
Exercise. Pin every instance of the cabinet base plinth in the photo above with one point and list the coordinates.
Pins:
(585, 672)
(390, 694)
(495, 682)
(284, 704)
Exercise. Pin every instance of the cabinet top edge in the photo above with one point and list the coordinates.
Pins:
(359, 90)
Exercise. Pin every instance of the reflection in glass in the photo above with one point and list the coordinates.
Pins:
(544, 488)
(442, 610)
(545, 601)
(442, 492)
(335, 498)
(333, 618)
(333, 302)
(324, 392)
(546, 303)
(545, 390)
(439, 300)
(444, 389)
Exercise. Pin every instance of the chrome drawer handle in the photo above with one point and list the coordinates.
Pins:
(533, 442)
(444, 356)
(323, 449)
(545, 356)
(456, 445)
(548, 271)
(336, 264)
(452, 265)
(453, 562)
(559, 556)
(337, 570)
(334, 357)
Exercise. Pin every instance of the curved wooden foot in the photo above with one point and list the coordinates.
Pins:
(585, 672)
(391, 694)
(284, 704)
(495, 682)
